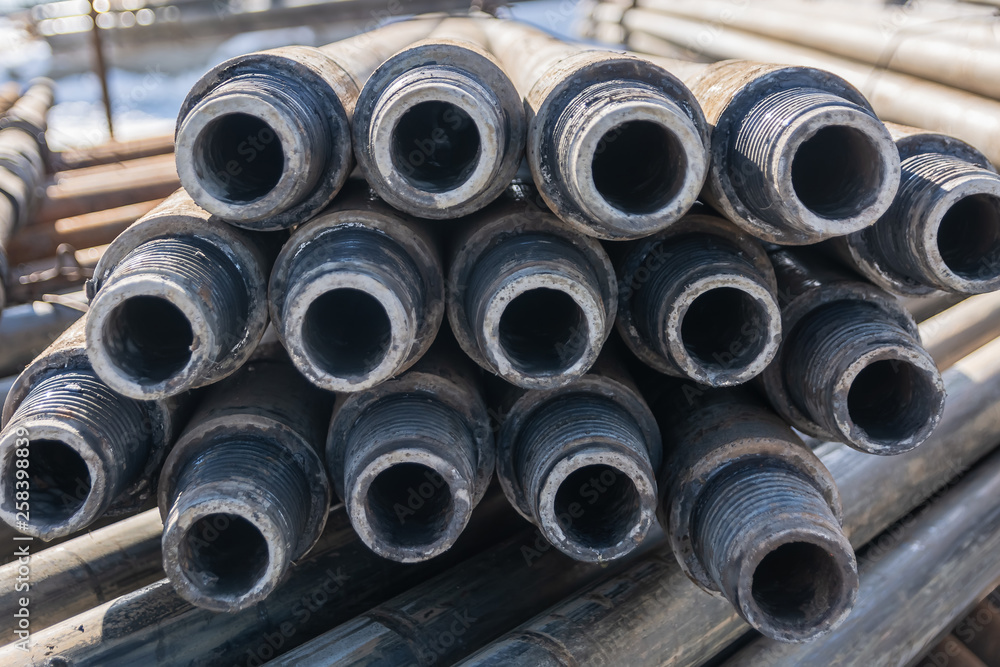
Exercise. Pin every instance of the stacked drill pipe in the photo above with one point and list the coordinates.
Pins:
(618, 147)
(26, 330)
(698, 300)
(413, 457)
(244, 494)
(264, 140)
(653, 611)
(178, 301)
(439, 128)
(87, 451)
(113, 151)
(357, 294)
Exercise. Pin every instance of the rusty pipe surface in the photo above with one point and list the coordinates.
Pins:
(580, 462)
(412, 457)
(338, 580)
(244, 492)
(698, 301)
(751, 512)
(178, 301)
(528, 299)
(357, 294)
(652, 611)
(942, 231)
(439, 128)
(26, 330)
(851, 367)
(89, 451)
(264, 139)
(938, 566)
(618, 146)
(87, 571)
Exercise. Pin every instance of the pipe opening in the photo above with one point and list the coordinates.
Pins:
(223, 555)
(543, 331)
(969, 237)
(597, 506)
(346, 332)
(239, 158)
(435, 146)
(797, 584)
(638, 167)
(890, 400)
(837, 172)
(724, 328)
(409, 505)
(148, 338)
(58, 482)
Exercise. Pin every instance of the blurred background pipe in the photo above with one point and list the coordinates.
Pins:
(357, 294)
(528, 299)
(30, 111)
(851, 367)
(112, 151)
(178, 301)
(28, 329)
(9, 93)
(439, 128)
(698, 301)
(613, 166)
(968, 325)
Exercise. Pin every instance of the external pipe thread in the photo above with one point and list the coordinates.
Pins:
(774, 548)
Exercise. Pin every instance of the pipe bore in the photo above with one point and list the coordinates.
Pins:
(223, 555)
(836, 172)
(347, 332)
(403, 518)
(968, 237)
(725, 327)
(435, 146)
(543, 331)
(149, 338)
(889, 400)
(796, 584)
(239, 158)
(59, 482)
(610, 506)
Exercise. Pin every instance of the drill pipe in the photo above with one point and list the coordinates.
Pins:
(698, 301)
(338, 580)
(980, 630)
(529, 299)
(653, 612)
(21, 173)
(940, 564)
(751, 512)
(925, 307)
(264, 139)
(244, 493)
(178, 301)
(953, 333)
(9, 93)
(87, 571)
(113, 151)
(413, 456)
(951, 652)
(357, 294)
(618, 146)
(942, 231)
(90, 452)
(28, 329)
(850, 367)
(439, 128)
(580, 462)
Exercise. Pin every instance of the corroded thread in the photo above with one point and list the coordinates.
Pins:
(773, 546)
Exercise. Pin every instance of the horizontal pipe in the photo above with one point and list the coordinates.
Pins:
(980, 630)
(26, 330)
(113, 151)
(966, 326)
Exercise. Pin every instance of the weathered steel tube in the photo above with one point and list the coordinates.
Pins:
(87, 571)
(698, 301)
(439, 128)
(244, 493)
(652, 610)
(925, 307)
(956, 331)
(264, 139)
(31, 110)
(751, 512)
(580, 462)
(357, 294)
(617, 145)
(26, 330)
(938, 566)
(178, 301)
(113, 151)
(942, 232)
(412, 457)
(528, 299)
(89, 451)
(850, 367)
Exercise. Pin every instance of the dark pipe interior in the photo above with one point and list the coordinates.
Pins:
(224, 555)
(347, 332)
(543, 331)
(58, 482)
(724, 328)
(797, 585)
(597, 506)
(148, 338)
(969, 237)
(239, 158)
(890, 400)
(837, 172)
(638, 167)
(409, 505)
(435, 146)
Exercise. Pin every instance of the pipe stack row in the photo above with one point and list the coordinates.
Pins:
(619, 282)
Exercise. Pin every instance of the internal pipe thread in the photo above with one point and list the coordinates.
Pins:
(203, 269)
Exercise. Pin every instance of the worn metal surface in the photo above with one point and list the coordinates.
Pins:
(178, 301)
(90, 451)
(357, 294)
(528, 299)
(850, 367)
(412, 457)
(439, 128)
(698, 301)
(244, 492)
(618, 146)
(28, 329)
(264, 139)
